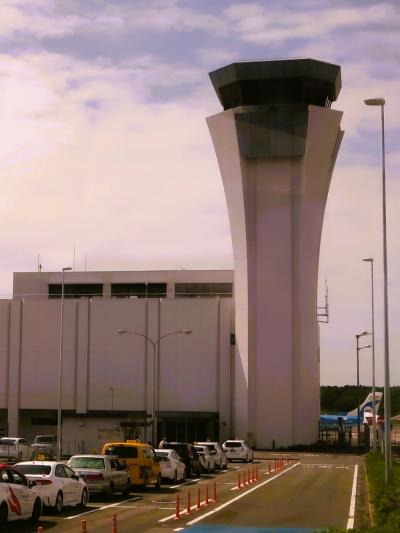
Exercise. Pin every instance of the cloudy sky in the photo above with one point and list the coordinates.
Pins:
(104, 144)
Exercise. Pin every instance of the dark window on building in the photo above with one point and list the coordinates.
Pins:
(76, 290)
(44, 421)
(194, 290)
(138, 290)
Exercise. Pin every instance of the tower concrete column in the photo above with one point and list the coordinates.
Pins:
(276, 144)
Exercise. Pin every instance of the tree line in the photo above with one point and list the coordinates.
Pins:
(342, 399)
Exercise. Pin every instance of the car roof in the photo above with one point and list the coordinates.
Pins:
(46, 463)
(99, 456)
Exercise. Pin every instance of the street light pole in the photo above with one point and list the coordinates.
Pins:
(388, 452)
(154, 345)
(358, 348)
(371, 261)
(60, 362)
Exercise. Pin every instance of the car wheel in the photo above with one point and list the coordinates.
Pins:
(84, 499)
(36, 511)
(3, 513)
(59, 503)
(127, 489)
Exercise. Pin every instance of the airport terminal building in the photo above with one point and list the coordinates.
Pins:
(107, 379)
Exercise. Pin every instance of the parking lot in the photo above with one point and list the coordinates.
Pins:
(306, 491)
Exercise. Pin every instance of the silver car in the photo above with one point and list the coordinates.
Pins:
(101, 473)
(217, 452)
(238, 450)
(46, 446)
(14, 449)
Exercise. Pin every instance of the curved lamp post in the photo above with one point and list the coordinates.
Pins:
(154, 344)
(60, 362)
(388, 459)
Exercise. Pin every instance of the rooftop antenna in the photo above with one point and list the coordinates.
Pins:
(323, 311)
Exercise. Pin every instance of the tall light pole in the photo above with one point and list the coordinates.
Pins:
(60, 362)
(371, 261)
(154, 344)
(358, 348)
(388, 452)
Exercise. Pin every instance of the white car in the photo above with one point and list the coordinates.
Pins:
(102, 473)
(206, 459)
(171, 465)
(15, 449)
(217, 452)
(56, 483)
(17, 497)
(238, 450)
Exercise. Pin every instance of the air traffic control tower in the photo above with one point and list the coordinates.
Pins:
(276, 143)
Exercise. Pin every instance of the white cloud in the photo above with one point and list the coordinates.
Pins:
(262, 25)
(41, 18)
(122, 180)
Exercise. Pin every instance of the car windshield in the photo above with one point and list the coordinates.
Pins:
(199, 450)
(34, 470)
(122, 452)
(48, 439)
(8, 442)
(163, 456)
(96, 463)
(233, 444)
(180, 448)
(211, 447)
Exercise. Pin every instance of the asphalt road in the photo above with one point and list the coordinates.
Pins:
(312, 491)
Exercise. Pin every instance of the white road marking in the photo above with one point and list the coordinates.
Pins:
(352, 510)
(186, 483)
(241, 495)
(183, 510)
(95, 510)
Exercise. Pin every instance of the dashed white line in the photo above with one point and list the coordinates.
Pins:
(185, 483)
(95, 510)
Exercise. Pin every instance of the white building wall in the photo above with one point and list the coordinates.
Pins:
(96, 359)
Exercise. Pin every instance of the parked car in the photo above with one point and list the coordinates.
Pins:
(15, 449)
(206, 459)
(101, 473)
(140, 460)
(217, 452)
(46, 446)
(238, 450)
(56, 484)
(17, 497)
(171, 465)
(188, 455)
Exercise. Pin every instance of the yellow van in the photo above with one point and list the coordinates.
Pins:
(140, 460)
